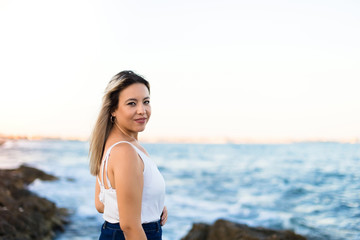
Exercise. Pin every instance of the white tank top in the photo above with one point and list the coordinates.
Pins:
(153, 195)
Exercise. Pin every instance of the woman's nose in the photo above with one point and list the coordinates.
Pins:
(141, 109)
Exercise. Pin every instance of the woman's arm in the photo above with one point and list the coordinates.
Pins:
(127, 170)
(98, 205)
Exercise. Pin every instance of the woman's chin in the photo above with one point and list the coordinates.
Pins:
(140, 129)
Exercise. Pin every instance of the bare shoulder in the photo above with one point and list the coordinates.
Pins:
(123, 153)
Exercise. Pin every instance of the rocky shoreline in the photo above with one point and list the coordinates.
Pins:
(226, 230)
(23, 214)
(26, 216)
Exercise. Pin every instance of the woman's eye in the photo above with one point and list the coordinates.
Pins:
(131, 103)
(147, 102)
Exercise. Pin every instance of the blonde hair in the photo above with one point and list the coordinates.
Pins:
(104, 124)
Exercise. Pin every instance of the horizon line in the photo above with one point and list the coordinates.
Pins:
(199, 140)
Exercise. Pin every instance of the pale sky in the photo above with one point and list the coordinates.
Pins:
(233, 69)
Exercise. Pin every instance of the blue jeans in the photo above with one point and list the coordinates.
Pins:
(112, 231)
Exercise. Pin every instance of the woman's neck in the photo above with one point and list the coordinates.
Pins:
(119, 131)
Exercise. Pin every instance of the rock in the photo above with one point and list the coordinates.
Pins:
(226, 230)
(23, 214)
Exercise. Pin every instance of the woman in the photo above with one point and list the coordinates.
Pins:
(129, 190)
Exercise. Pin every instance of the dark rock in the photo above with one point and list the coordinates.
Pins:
(199, 231)
(226, 230)
(23, 214)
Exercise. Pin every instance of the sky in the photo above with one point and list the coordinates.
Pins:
(268, 70)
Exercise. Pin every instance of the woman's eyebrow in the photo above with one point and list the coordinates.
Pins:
(134, 99)
(131, 99)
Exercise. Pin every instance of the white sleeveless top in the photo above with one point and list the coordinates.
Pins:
(153, 195)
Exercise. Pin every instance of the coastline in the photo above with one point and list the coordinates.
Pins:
(23, 214)
(240, 191)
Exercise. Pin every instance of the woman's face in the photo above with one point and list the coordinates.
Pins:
(134, 110)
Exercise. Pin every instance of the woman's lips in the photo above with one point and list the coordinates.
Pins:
(140, 120)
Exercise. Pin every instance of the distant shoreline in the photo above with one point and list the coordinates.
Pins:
(192, 140)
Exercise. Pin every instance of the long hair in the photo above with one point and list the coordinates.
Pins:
(103, 124)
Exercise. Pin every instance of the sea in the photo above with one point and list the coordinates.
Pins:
(312, 188)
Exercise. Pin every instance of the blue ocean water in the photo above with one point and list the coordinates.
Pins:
(312, 188)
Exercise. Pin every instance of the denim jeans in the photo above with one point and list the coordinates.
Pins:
(112, 231)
